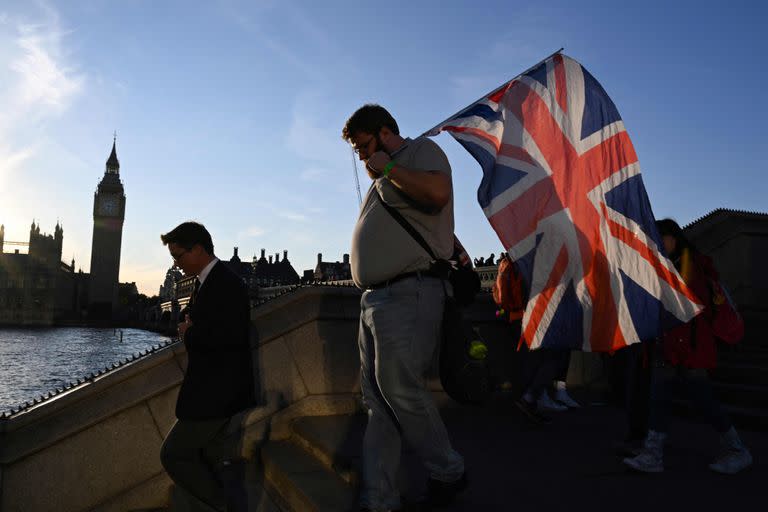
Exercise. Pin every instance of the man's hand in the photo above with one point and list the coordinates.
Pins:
(376, 163)
(186, 324)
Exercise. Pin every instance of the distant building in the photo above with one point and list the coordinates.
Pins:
(37, 288)
(330, 271)
(168, 288)
(737, 242)
(270, 273)
(264, 277)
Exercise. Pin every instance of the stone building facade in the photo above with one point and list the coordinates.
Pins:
(37, 288)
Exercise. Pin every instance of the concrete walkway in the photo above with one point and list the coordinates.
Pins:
(570, 464)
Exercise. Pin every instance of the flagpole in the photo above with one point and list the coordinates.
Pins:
(490, 92)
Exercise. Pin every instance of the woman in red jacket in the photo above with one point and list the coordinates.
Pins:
(685, 354)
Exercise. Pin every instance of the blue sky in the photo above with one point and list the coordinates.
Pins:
(230, 112)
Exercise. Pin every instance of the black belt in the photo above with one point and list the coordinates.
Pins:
(400, 277)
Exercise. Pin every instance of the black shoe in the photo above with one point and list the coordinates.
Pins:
(532, 413)
(441, 493)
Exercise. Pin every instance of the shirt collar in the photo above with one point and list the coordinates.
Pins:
(398, 150)
(207, 270)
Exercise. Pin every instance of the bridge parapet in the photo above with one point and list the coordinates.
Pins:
(97, 446)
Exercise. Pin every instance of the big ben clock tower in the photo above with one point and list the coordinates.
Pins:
(108, 216)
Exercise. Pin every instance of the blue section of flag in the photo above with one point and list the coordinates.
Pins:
(480, 110)
(599, 110)
(630, 199)
(496, 178)
(644, 308)
(525, 264)
(539, 73)
(567, 327)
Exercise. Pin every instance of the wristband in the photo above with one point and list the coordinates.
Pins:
(387, 168)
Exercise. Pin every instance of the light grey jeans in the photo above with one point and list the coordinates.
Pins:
(400, 326)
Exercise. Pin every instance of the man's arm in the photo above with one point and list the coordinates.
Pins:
(430, 188)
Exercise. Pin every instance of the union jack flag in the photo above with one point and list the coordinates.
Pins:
(562, 189)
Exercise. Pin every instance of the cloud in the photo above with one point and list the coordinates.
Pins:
(251, 232)
(39, 83)
(44, 80)
(11, 159)
(296, 216)
(314, 174)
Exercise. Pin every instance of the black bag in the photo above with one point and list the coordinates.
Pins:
(465, 378)
(464, 280)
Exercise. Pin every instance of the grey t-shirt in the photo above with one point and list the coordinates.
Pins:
(381, 248)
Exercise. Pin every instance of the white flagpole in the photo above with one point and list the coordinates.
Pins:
(429, 132)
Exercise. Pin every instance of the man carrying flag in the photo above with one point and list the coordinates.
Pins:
(401, 308)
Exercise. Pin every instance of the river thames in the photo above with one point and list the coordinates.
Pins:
(36, 361)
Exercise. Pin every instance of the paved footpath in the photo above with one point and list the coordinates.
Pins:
(571, 464)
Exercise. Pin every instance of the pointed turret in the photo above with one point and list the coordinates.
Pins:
(113, 164)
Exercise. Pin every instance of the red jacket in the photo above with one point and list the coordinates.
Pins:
(693, 344)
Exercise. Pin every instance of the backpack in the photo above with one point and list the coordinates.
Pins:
(508, 291)
(727, 323)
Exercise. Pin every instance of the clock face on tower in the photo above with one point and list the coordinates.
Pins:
(108, 205)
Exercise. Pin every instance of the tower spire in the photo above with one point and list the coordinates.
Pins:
(113, 164)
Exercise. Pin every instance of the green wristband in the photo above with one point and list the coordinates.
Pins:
(388, 168)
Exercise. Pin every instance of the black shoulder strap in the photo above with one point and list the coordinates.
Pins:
(407, 226)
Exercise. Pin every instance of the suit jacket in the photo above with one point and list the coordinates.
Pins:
(219, 380)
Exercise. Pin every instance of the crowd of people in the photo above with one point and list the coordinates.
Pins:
(678, 359)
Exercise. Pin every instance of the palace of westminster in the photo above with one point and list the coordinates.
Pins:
(37, 288)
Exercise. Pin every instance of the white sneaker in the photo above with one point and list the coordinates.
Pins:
(646, 462)
(651, 458)
(545, 403)
(562, 396)
(732, 461)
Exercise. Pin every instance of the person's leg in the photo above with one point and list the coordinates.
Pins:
(638, 389)
(538, 391)
(224, 455)
(651, 457)
(406, 323)
(381, 442)
(734, 456)
(538, 375)
(183, 457)
(561, 391)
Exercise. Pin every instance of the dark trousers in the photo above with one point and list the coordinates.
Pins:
(637, 389)
(203, 458)
(665, 379)
(543, 366)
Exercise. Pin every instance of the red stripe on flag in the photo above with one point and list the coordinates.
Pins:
(477, 132)
(560, 83)
(518, 219)
(516, 152)
(631, 239)
(545, 297)
(499, 93)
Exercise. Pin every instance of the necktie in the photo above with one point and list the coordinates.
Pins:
(193, 297)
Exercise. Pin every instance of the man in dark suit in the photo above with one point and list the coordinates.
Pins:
(200, 453)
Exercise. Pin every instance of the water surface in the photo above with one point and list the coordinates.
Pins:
(34, 361)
